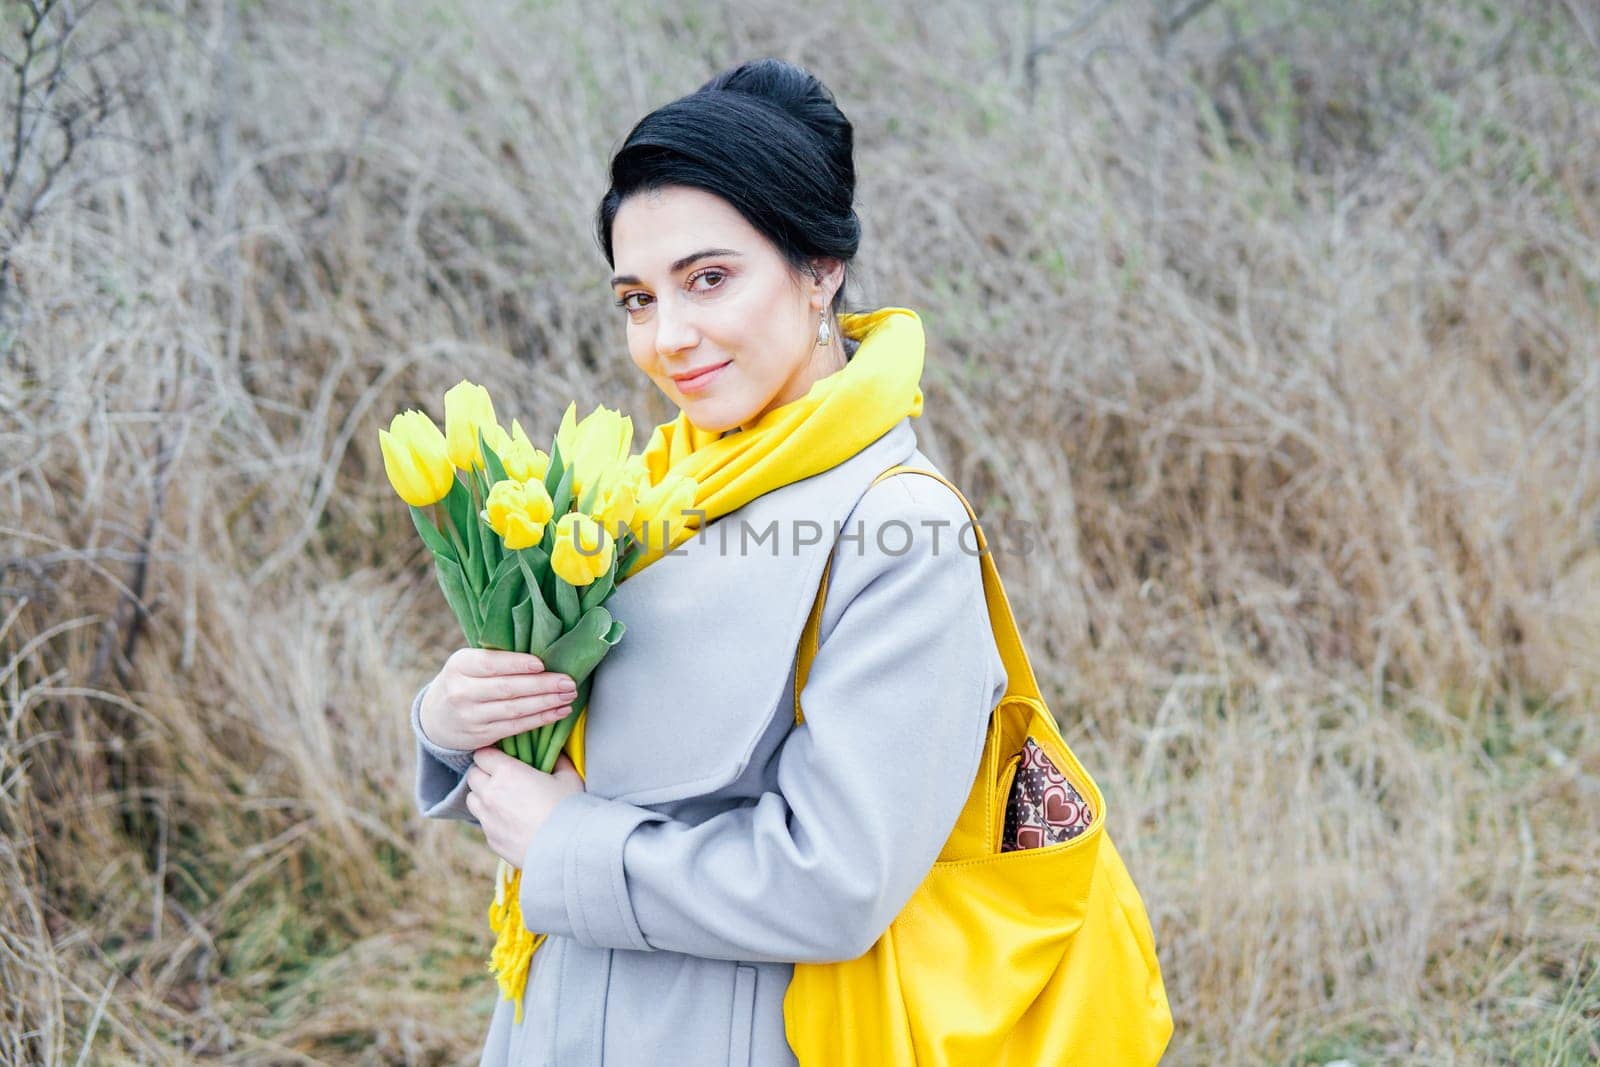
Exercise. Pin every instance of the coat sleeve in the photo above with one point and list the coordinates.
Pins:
(867, 790)
(441, 773)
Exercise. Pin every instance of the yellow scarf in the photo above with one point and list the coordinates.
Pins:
(839, 416)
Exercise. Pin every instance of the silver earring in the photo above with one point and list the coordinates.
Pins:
(824, 335)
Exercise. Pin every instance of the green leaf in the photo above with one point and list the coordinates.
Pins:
(626, 561)
(476, 569)
(557, 468)
(491, 461)
(545, 626)
(494, 471)
(439, 543)
(505, 587)
(497, 632)
(457, 595)
(522, 623)
(507, 568)
(566, 604)
(596, 592)
(493, 550)
(588, 497)
(458, 509)
(494, 607)
(579, 651)
(562, 499)
(549, 584)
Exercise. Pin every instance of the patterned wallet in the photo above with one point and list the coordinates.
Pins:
(1043, 808)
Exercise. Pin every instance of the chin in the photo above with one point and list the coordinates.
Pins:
(728, 405)
(711, 416)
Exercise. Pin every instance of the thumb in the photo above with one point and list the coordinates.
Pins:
(565, 768)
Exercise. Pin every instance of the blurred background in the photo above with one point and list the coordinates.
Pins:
(1278, 319)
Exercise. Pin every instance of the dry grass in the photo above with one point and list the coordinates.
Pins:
(1282, 320)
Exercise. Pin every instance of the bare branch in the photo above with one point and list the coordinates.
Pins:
(1039, 49)
(44, 98)
(1183, 16)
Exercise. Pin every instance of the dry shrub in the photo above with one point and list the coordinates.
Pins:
(1277, 323)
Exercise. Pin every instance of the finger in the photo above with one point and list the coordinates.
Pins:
(477, 778)
(499, 687)
(508, 711)
(513, 727)
(473, 804)
(491, 760)
(488, 662)
(565, 768)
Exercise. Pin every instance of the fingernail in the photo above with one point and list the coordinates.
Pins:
(568, 686)
(538, 665)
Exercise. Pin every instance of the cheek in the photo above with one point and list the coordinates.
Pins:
(640, 350)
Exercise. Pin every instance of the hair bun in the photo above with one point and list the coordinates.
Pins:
(803, 97)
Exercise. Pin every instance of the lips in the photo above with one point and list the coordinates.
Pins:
(695, 379)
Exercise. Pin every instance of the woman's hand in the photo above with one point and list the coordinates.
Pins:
(482, 695)
(512, 800)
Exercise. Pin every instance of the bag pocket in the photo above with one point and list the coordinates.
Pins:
(1002, 802)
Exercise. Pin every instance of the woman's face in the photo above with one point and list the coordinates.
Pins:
(716, 317)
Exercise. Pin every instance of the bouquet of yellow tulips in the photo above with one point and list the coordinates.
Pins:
(528, 545)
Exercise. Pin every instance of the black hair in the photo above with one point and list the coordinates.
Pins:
(767, 137)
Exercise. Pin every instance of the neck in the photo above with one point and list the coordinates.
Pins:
(822, 362)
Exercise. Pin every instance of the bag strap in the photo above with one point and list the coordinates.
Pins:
(1019, 672)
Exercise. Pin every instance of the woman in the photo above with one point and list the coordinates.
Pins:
(715, 843)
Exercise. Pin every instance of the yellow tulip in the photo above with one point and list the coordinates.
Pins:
(583, 550)
(520, 459)
(495, 436)
(468, 409)
(594, 446)
(614, 505)
(416, 459)
(518, 512)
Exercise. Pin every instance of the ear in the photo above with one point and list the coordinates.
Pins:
(827, 275)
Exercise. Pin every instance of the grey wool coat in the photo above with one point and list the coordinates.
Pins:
(718, 843)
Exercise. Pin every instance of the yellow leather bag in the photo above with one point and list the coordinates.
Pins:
(1019, 958)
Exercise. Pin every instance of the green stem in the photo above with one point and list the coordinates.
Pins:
(541, 742)
(455, 539)
(560, 731)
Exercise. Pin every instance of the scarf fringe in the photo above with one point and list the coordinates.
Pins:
(514, 943)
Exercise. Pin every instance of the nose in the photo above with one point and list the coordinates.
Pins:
(675, 332)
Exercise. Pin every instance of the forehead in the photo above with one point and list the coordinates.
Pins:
(652, 229)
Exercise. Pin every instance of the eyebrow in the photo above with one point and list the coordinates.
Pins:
(677, 265)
